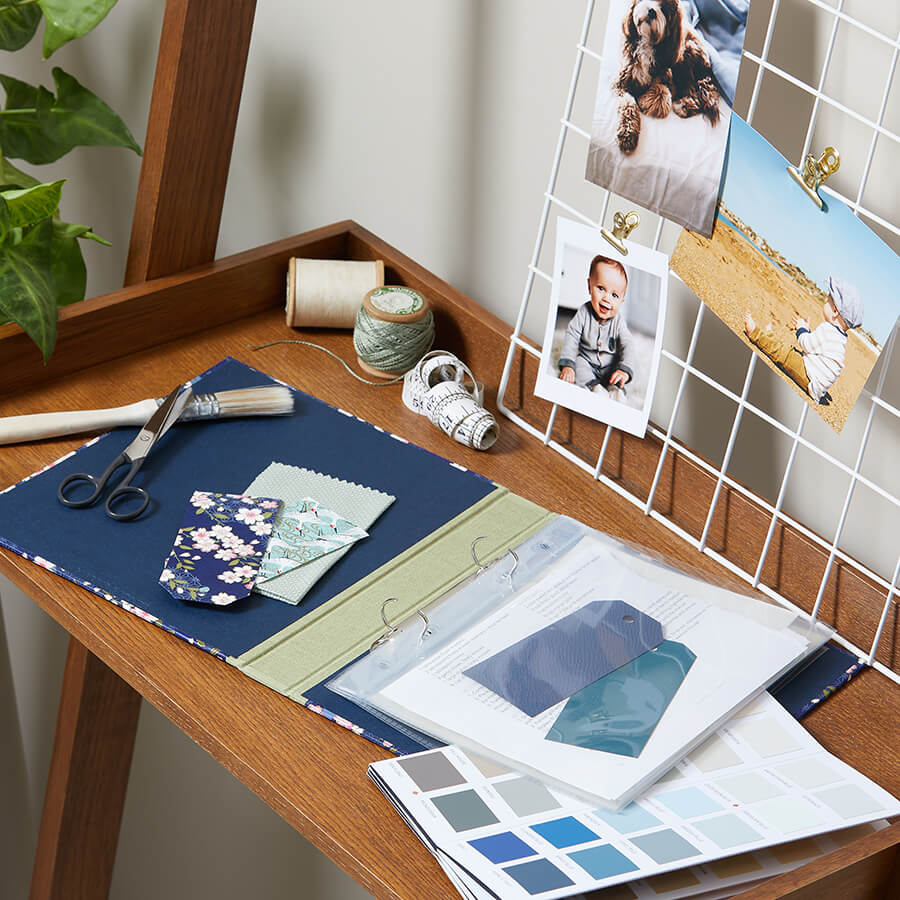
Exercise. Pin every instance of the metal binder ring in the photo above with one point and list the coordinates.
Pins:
(393, 629)
(482, 567)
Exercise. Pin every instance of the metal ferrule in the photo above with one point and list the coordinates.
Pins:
(202, 406)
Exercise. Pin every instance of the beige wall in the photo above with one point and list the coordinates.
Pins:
(434, 125)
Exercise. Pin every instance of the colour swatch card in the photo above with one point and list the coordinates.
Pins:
(735, 657)
(760, 782)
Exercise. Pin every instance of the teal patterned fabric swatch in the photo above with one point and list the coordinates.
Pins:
(304, 531)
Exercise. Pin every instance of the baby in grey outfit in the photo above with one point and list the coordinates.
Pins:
(597, 351)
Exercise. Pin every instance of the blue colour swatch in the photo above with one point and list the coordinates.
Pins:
(632, 818)
(727, 831)
(665, 846)
(689, 802)
(565, 832)
(559, 660)
(538, 876)
(501, 848)
(603, 862)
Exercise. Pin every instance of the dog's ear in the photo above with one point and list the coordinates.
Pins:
(628, 27)
(671, 47)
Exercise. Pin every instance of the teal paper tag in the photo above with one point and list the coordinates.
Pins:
(618, 713)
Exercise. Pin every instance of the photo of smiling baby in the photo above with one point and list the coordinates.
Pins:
(602, 340)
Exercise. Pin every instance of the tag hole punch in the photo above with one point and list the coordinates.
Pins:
(628, 619)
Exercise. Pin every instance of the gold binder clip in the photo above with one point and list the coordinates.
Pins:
(623, 225)
(816, 172)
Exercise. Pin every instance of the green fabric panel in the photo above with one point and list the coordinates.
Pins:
(356, 503)
(320, 643)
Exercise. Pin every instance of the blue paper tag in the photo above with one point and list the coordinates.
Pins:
(552, 664)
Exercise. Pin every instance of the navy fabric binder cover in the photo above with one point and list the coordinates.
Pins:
(125, 559)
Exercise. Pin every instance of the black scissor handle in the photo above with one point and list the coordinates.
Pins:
(119, 495)
(123, 496)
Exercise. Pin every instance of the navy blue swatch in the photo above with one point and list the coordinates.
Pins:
(538, 876)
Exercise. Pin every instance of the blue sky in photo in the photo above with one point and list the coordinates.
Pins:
(758, 189)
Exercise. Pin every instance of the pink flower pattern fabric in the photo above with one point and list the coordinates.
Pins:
(219, 547)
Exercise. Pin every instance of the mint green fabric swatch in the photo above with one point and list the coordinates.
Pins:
(290, 484)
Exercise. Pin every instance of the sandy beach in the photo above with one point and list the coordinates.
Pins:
(733, 277)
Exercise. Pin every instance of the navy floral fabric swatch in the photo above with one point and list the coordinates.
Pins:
(219, 547)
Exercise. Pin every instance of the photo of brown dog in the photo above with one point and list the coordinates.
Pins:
(664, 103)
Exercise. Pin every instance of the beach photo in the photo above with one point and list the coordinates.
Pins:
(603, 336)
(663, 105)
(813, 292)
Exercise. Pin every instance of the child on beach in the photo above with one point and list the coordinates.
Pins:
(819, 360)
(597, 351)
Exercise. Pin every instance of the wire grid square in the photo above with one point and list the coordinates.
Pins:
(716, 406)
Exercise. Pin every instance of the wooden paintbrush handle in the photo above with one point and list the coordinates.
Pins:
(14, 429)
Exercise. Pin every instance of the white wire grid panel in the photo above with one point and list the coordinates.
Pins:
(814, 73)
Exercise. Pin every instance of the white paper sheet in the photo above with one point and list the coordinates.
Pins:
(737, 658)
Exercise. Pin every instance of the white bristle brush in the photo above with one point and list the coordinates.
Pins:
(274, 400)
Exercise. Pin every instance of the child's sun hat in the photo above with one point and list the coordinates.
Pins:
(847, 299)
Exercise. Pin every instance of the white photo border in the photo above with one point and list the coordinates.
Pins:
(596, 406)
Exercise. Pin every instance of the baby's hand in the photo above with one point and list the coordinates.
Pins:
(567, 373)
(800, 323)
(619, 378)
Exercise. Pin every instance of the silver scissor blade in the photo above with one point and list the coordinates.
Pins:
(159, 423)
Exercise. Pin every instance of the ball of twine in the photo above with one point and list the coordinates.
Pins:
(392, 346)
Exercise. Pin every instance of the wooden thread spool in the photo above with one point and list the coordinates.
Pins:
(327, 293)
(394, 329)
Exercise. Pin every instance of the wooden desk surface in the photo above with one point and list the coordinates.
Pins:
(310, 771)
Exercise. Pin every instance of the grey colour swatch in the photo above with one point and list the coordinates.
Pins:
(431, 771)
(526, 796)
(552, 664)
(464, 810)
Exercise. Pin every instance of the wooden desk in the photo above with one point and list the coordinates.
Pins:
(310, 771)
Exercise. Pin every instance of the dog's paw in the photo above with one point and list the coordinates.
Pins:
(629, 129)
(686, 106)
(656, 101)
(708, 98)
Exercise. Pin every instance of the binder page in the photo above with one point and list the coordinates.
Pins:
(736, 657)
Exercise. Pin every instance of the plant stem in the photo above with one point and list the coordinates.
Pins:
(18, 112)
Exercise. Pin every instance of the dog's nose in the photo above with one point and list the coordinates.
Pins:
(651, 14)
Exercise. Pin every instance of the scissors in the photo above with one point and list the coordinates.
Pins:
(134, 455)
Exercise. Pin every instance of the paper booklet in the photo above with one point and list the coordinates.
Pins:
(759, 798)
(519, 635)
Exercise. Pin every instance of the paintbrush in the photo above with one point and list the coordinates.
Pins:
(273, 400)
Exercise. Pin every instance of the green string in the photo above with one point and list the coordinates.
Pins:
(326, 350)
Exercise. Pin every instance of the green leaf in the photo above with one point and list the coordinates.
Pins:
(75, 117)
(67, 269)
(26, 286)
(70, 19)
(30, 205)
(11, 177)
(18, 23)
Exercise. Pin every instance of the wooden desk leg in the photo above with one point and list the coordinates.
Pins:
(95, 731)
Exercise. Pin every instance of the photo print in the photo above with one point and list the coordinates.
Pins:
(663, 104)
(813, 292)
(604, 329)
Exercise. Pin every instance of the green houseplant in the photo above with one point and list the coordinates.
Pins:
(41, 265)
